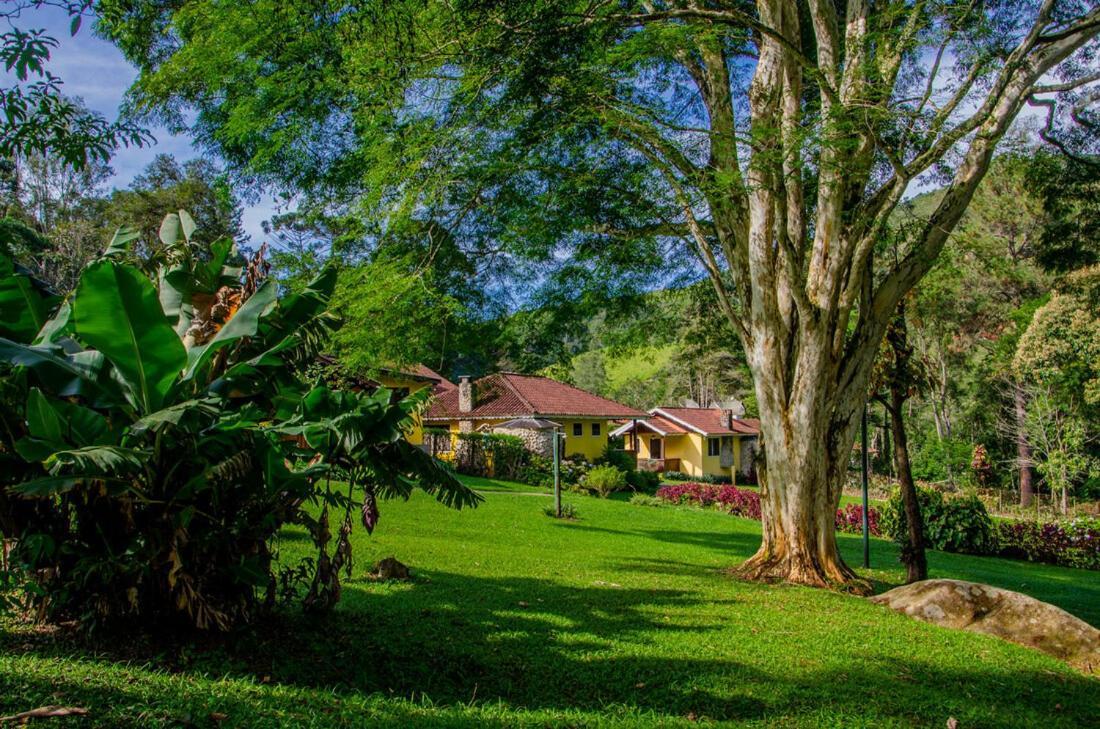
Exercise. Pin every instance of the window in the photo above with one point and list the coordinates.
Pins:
(578, 428)
(655, 449)
(595, 428)
(714, 446)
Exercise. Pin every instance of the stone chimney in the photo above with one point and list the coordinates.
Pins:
(466, 394)
(467, 399)
(727, 418)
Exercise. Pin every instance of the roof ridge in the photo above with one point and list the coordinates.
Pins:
(673, 418)
(515, 390)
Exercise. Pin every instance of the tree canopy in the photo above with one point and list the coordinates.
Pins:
(766, 144)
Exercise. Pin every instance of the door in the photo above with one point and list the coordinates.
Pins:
(656, 452)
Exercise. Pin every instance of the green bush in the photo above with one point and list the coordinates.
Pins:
(951, 523)
(604, 481)
(157, 436)
(675, 476)
(568, 511)
(646, 500)
(646, 481)
(942, 460)
(623, 460)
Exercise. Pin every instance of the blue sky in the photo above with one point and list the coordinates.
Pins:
(95, 70)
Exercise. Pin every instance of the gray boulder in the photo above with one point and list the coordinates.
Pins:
(1003, 613)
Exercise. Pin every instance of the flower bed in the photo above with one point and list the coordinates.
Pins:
(850, 520)
(1074, 543)
(746, 503)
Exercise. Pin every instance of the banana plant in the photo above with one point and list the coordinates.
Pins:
(159, 441)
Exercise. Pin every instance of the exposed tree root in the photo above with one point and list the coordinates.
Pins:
(834, 575)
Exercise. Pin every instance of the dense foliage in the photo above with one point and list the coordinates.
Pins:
(1073, 543)
(604, 480)
(952, 523)
(739, 502)
(157, 437)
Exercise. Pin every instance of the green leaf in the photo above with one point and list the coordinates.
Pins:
(202, 412)
(23, 307)
(46, 486)
(187, 225)
(59, 325)
(170, 230)
(42, 420)
(58, 426)
(115, 310)
(119, 245)
(298, 308)
(64, 375)
(243, 324)
(96, 461)
(174, 291)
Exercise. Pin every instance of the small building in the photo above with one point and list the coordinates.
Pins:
(693, 441)
(507, 399)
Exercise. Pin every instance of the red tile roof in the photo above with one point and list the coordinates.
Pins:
(655, 423)
(442, 383)
(710, 421)
(511, 395)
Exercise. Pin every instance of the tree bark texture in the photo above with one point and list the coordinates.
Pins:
(794, 272)
(1023, 447)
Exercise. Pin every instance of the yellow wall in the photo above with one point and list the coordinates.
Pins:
(587, 445)
(416, 434)
(691, 450)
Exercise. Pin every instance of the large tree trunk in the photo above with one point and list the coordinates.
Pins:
(799, 524)
(806, 443)
(1023, 448)
(912, 554)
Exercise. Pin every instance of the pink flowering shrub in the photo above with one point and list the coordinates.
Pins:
(850, 519)
(746, 503)
(739, 502)
(1074, 543)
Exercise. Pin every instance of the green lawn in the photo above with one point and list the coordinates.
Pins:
(624, 617)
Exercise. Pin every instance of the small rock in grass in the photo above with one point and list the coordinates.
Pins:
(390, 569)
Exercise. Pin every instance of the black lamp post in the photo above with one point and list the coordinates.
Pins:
(866, 524)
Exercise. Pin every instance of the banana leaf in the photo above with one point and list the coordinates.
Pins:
(116, 311)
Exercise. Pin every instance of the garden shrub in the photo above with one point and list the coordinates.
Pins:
(849, 519)
(951, 523)
(149, 483)
(739, 502)
(604, 480)
(1071, 543)
(942, 460)
(746, 503)
(568, 511)
(646, 500)
(620, 459)
(647, 481)
(490, 454)
(675, 476)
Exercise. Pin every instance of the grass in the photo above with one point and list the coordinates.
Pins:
(490, 485)
(622, 618)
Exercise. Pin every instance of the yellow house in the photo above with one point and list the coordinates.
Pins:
(693, 441)
(414, 379)
(497, 402)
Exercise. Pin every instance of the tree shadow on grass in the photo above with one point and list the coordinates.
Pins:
(737, 544)
(536, 646)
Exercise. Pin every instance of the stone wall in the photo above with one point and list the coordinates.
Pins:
(540, 442)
